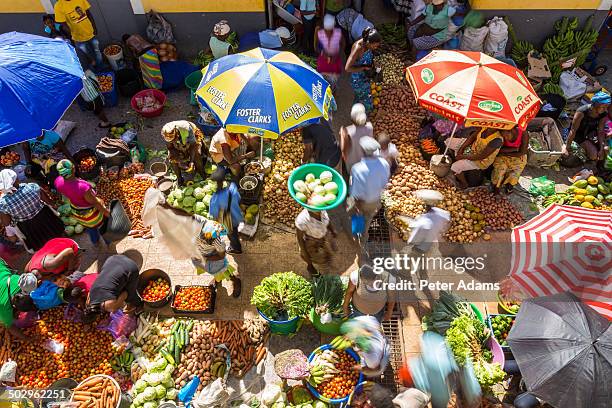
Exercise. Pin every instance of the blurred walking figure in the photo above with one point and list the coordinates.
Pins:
(430, 226)
(313, 230)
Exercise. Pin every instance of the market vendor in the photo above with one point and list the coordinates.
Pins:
(313, 231)
(328, 43)
(365, 332)
(360, 64)
(10, 288)
(225, 209)
(59, 256)
(114, 288)
(43, 153)
(510, 161)
(351, 135)
(27, 207)
(367, 294)
(78, 291)
(430, 30)
(229, 149)
(430, 226)
(219, 43)
(588, 127)
(352, 24)
(185, 143)
(320, 144)
(85, 206)
(483, 144)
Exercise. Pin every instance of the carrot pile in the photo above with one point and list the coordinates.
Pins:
(6, 352)
(97, 392)
(429, 146)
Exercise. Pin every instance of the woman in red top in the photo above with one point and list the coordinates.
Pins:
(78, 292)
(59, 256)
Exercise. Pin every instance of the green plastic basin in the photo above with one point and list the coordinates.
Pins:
(316, 169)
(332, 327)
(192, 81)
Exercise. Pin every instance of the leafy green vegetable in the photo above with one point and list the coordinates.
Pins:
(444, 311)
(328, 292)
(283, 295)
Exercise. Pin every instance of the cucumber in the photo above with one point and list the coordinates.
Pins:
(190, 325)
(177, 354)
(186, 335)
(174, 327)
(167, 356)
(171, 345)
(177, 339)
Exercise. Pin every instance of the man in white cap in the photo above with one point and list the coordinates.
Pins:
(219, 46)
(368, 180)
(429, 227)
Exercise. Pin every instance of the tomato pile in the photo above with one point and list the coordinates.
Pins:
(106, 83)
(156, 290)
(86, 351)
(193, 298)
(9, 159)
(344, 382)
(87, 164)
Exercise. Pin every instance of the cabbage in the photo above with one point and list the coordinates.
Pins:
(64, 209)
(155, 378)
(65, 220)
(177, 203)
(206, 200)
(199, 207)
(170, 201)
(331, 187)
(160, 390)
(199, 193)
(329, 198)
(188, 191)
(69, 230)
(168, 382)
(178, 194)
(300, 186)
(326, 176)
(78, 229)
(310, 178)
(140, 385)
(317, 201)
(171, 394)
(320, 404)
(72, 221)
(189, 201)
(301, 196)
(150, 404)
(169, 370)
(320, 190)
(139, 400)
(149, 394)
(171, 195)
(158, 365)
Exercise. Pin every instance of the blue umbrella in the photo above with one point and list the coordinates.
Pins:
(39, 79)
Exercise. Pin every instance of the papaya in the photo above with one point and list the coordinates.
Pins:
(592, 190)
(587, 205)
(600, 180)
(603, 189)
(592, 180)
(580, 183)
(571, 189)
(608, 197)
(579, 197)
(589, 198)
(581, 191)
(575, 203)
(596, 203)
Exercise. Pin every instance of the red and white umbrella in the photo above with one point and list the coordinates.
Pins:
(566, 248)
(474, 89)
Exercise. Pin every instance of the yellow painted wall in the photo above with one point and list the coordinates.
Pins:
(535, 4)
(212, 6)
(21, 6)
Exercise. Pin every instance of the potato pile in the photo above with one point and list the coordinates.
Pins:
(279, 206)
(467, 222)
(498, 212)
(244, 339)
(392, 68)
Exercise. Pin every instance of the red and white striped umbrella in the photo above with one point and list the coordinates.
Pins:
(566, 248)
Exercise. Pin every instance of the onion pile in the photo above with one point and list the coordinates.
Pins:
(279, 206)
(498, 212)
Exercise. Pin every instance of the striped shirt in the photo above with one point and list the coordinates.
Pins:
(23, 204)
(90, 87)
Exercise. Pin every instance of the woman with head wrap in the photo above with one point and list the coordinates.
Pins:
(185, 144)
(360, 65)
(365, 334)
(14, 297)
(219, 43)
(86, 207)
(430, 29)
(510, 161)
(23, 205)
(329, 42)
(588, 127)
(42, 155)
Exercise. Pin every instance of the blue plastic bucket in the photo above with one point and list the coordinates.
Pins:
(284, 327)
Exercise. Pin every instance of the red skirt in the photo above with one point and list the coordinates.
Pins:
(329, 65)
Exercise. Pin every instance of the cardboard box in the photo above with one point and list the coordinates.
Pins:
(538, 66)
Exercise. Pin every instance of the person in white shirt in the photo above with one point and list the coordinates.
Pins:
(430, 226)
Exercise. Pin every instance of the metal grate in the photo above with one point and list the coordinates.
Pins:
(379, 237)
(393, 331)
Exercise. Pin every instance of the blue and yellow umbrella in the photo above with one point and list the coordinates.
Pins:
(264, 92)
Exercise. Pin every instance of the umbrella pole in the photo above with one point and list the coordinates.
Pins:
(450, 139)
(261, 150)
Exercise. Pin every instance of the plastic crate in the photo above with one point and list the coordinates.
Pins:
(545, 158)
(210, 310)
(490, 325)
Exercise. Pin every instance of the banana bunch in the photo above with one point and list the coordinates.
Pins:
(564, 24)
(122, 362)
(520, 51)
(217, 370)
(559, 46)
(558, 198)
(552, 88)
(320, 373)
(341, 343)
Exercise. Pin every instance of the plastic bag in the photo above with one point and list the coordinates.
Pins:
(8, 371)
(212, 396)
(53, 346)
(120, 324)
(572, 85)
(46, 296)
(542, 186)
(357, 224)
(159, 29)
(118, 225)
(495, 43)
(186, 393)
(473, 38)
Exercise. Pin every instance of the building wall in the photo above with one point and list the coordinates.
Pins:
(117, 17)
